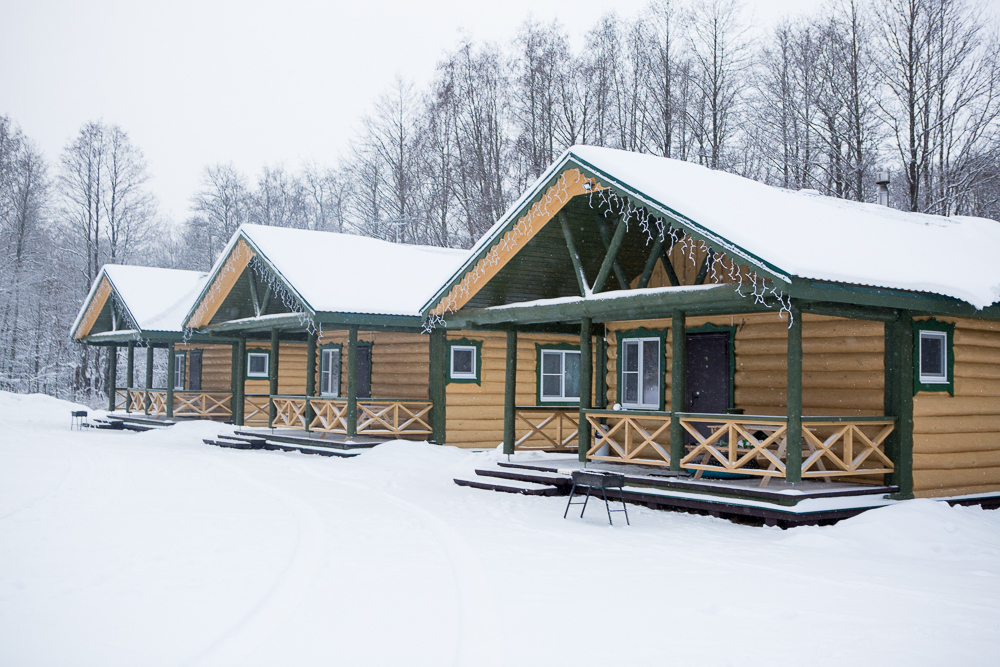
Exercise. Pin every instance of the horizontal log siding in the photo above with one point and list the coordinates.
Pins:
(842, 362)
(291, 369)
(475, 412)
(956, 439)
(216, 366)
(400, 362)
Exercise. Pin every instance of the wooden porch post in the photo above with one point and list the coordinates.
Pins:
(352, 381)
(171, 363)
(241, 379)
(272, 374)
(678, 372)
(233, 370)
(112, 376)
(310, 376)
(793, 433)
(586, 387)
(149, 376)
(510, 393)
(438, 384)
(898, 365)
(601, 373)
(129, 374)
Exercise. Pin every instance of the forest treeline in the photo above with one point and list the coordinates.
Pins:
(820, 102)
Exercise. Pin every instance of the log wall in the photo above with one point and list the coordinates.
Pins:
(956, 439)
(475, 411)
(216, 365)
(400, 363)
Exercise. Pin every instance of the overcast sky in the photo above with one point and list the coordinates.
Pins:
(252, 82)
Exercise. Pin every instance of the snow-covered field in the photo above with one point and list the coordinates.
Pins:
(154, 549)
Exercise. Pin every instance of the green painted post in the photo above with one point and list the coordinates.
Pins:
(130, 375)
(438, 384)
(272, 375)
(171, 363)
(586, 387)
(149, 377)
(581, 278)
(899, 401)
(234, 369)
(610, 257)
(112, 376)
(310, 377)
(793, 434)
(352, 381)
(510, 393)
(678, 374)
(241, 379)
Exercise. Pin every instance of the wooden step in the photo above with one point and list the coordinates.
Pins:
(512, 486)
(559, 481)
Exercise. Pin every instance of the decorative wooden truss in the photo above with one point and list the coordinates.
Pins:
(547, 428)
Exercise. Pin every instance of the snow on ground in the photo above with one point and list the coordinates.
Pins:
(120, 548)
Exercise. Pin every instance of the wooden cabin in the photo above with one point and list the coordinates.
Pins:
(144, 307)
(330, 339)
(822, 339)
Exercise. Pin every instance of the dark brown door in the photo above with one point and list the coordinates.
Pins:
(364, 371)
(707, 381)
(194, 371)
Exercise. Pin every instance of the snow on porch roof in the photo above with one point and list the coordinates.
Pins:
(157, 299)
(803, 233)
(344, 273)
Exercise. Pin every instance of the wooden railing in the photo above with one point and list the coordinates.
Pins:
(121, 399)
(631, 436)
(157, 401)
(548, 428)
(203, 404)
(256, 409)
(376, 416)
(136, 400)
(757, 445)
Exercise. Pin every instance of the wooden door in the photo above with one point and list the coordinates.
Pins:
(194, 371)
(707, 384)
(364, 371)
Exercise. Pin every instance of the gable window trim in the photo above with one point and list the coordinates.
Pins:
(330, 378)
(465, 345)
(934, 333)
(641, 334)
(560, 351)
(256, 356)
(180, 363)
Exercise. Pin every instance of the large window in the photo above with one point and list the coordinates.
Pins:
(640, 373)
(933, 356)
(179, 359)
(257, 364)
(329, 372)
(559, 375)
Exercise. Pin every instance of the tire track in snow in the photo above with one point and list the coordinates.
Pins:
(478, 621)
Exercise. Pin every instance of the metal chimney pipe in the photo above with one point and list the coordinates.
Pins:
(882, 180)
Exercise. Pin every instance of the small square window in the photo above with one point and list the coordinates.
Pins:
(257, 364)
(463, 362)
(933, 357)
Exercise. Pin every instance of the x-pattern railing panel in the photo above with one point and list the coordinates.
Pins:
(256, 409)
(202, 404)
(384, 417)
(620, 436)
(734, 444)
(329, 415)
(559, 422)
(121, 399)
(855, 449)
(158, 402)
(136, 400)
(289, 412)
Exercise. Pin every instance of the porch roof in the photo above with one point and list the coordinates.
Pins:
(795, 237)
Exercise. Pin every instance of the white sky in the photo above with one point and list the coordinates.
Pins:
(201, 82)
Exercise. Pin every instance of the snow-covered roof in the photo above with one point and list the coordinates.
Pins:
(802, 234)
(344, 273)
(156, 299)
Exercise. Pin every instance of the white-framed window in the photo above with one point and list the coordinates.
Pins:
(560, 376)
(463, 362)
(640, 376)
(933, 357)
(179, 363)
(329, 372)
(257, 364)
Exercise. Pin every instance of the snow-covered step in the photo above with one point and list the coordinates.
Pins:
(511, 486)
(523, 476)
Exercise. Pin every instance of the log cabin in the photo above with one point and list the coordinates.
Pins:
(731, 330)
(144, 307)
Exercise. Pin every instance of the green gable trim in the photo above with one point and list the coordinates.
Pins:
(714, 328)
(539, 348)
(933, 325)
(466, 342)
(642, 333)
